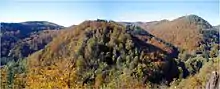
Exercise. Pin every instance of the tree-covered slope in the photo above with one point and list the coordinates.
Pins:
(12, 34)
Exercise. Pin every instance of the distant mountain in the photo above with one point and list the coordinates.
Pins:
(25, 28)
(11, 33)
(187, 32)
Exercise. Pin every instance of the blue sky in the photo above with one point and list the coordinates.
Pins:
(69, 12)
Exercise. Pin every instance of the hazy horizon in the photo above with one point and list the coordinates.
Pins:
(70, 12)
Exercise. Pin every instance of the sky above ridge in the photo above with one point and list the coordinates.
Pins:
(69, 12)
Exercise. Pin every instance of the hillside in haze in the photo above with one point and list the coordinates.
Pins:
(182, 53)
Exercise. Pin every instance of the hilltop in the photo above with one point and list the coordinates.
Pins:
(187, 32)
